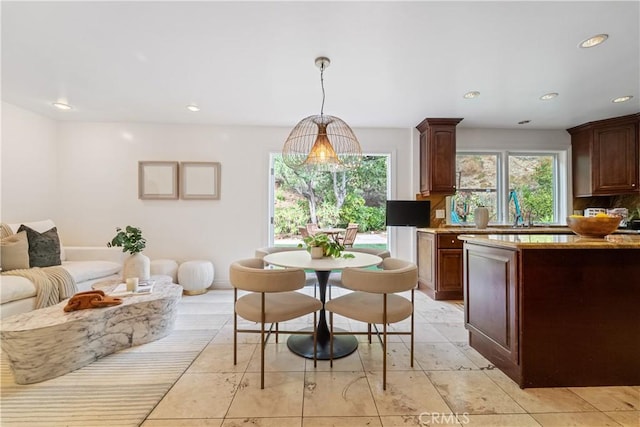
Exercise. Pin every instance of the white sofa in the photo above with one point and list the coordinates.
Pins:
(86, 265)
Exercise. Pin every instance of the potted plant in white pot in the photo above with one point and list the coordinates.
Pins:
(320, 245)
(131, 240)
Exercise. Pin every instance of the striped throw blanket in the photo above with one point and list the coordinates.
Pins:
(53, 284)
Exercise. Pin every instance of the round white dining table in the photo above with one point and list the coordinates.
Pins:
(343, 345)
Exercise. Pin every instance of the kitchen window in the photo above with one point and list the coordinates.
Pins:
(512, 185)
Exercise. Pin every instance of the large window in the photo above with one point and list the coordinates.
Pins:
(511, 185)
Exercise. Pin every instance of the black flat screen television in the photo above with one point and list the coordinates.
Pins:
(408, 213)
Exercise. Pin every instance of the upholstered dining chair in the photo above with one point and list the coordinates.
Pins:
(270, 298)
(335, 279)
(312, 228)
(375, 301)
(311, 278)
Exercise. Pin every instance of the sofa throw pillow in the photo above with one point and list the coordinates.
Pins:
(14, 252)
(44, 248)
(5, 230)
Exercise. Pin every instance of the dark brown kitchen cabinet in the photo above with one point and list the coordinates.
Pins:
(438, 156)
(440, 265)
(606, 157)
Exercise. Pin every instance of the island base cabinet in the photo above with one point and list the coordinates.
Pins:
(555, 317)
(490, 294)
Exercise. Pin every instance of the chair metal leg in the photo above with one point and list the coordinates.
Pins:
(235, 327)
(331, 339)
(262, 344)
(412, 337)
(315, 340)
(277, 333)
(369, 332)
(384, 346)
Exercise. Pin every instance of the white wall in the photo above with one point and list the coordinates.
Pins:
(84, 177)
(29, 162)
(98, 186)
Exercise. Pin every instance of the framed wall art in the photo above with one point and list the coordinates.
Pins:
(157, 180)
(200, 180)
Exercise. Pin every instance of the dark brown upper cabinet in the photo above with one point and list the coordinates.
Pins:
(438, 156)
(606, 157)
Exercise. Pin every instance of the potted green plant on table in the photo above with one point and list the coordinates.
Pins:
(131, 240)
(321, 245)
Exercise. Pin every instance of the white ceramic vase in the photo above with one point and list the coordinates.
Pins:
(316, 252)
(481, 217)
(137, 265)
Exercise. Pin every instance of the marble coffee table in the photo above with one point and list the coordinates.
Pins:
(49, 342)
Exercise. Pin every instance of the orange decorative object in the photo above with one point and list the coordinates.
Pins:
(90, 299)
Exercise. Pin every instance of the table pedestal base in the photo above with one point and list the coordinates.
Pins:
(302, 345)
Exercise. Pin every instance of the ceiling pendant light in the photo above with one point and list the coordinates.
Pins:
(322, 142)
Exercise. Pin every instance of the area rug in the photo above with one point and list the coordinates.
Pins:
(118, 390)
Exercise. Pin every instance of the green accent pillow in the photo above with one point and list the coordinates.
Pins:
(14, 251)
(44, 248)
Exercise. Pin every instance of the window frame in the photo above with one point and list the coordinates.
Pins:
(560, 180)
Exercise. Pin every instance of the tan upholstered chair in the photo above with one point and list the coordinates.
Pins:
(335, 279)
(311, 278)
(375, 301)
(270, 299)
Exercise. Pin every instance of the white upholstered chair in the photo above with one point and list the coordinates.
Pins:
(375, 301)
(270, 298)
(335, 279)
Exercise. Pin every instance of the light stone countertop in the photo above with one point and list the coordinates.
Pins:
(511, 230)
(553, 241)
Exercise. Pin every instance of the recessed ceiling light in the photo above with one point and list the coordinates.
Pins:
(61, 106)
(193, 107)
(548, 96)
(594, 41)
(471, 95)
(622, 99)
(524, 122)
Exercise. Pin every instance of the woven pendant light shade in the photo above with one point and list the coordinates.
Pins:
(323, 143)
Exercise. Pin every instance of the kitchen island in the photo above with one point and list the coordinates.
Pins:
(555, 310)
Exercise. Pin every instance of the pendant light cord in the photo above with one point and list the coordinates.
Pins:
(322, 85)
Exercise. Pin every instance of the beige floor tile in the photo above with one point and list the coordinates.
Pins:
(210, 422)
(502, 420)
(225, 336)
(454, 332)
(198, 396)
(442, 357)
(277, 358)
(424, 332)
(177, 341)
(474, 356)
(575, 419)
(441, 314)
(398, 357)
(423, 420)
(281, 396)
(341, 422)
(472, 392)
(263, 422)
(407, 393)
(610, 398)
(350, 363)
(200, 321)
(626, 418)
(337, 394)
(535, 400)
(219, 358)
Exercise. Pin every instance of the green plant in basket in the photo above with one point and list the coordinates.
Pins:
(130, 239)
(330, 246)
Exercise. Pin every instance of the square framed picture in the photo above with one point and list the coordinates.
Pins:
(200, 180)
(157, 180)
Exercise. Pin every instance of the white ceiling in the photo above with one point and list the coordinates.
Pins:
(392, 63)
